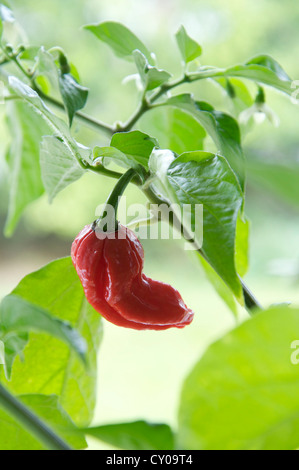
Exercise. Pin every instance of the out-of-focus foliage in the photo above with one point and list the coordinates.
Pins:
(228, 34)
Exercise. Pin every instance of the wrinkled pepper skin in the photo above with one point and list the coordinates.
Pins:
(110, 270)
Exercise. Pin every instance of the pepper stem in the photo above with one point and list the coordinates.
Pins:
(108, 220)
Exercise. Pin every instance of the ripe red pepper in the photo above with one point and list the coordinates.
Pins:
(110, 270)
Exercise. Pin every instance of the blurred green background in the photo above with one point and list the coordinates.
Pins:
(141, 373)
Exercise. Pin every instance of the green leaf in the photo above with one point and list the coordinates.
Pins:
(138, 435)
(207, 179)
(14, 437)
(59, 169)
(49, 365)
(222, 128)
(243, 393)
(189, 48)
(151, 77)
(121, 40)
(175, 130)
(128, 149)
(241, 263)
(74, 95)
(18, 315)
(26, 129)
(262, 69)
(72, 151)
(135, 144)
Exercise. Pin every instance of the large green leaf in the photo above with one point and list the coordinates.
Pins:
(50, 366)
(205, 178)
(138, 435)
(73, 153)
(121, 40)
(222, 128)
(243, 393)
(26, 129)
(14, 437)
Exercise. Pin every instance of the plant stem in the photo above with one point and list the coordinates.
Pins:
(98, 125)
(31, 422)
(146, 105)
(167, 87)
(112, 203)
(143, 108)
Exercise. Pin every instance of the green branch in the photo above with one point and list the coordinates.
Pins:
(31, 422)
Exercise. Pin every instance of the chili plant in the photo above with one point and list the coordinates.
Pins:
(220, 403)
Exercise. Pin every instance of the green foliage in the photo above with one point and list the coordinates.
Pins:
(221, 127)
(59, 171)
(151, 77)
(278, 177)
(184, 151)
(175, 129)
(26, 185)
(261, 69)
(51, 301)
(14, 437)
(121, 40)
(74, 95)
(127, 149)
(58, 166)
(139, 435)
(242, 394)
(196, 178)
(189, 48)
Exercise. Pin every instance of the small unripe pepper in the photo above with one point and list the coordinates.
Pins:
(110, 269)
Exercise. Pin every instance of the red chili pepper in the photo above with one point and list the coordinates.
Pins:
(110, 270)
